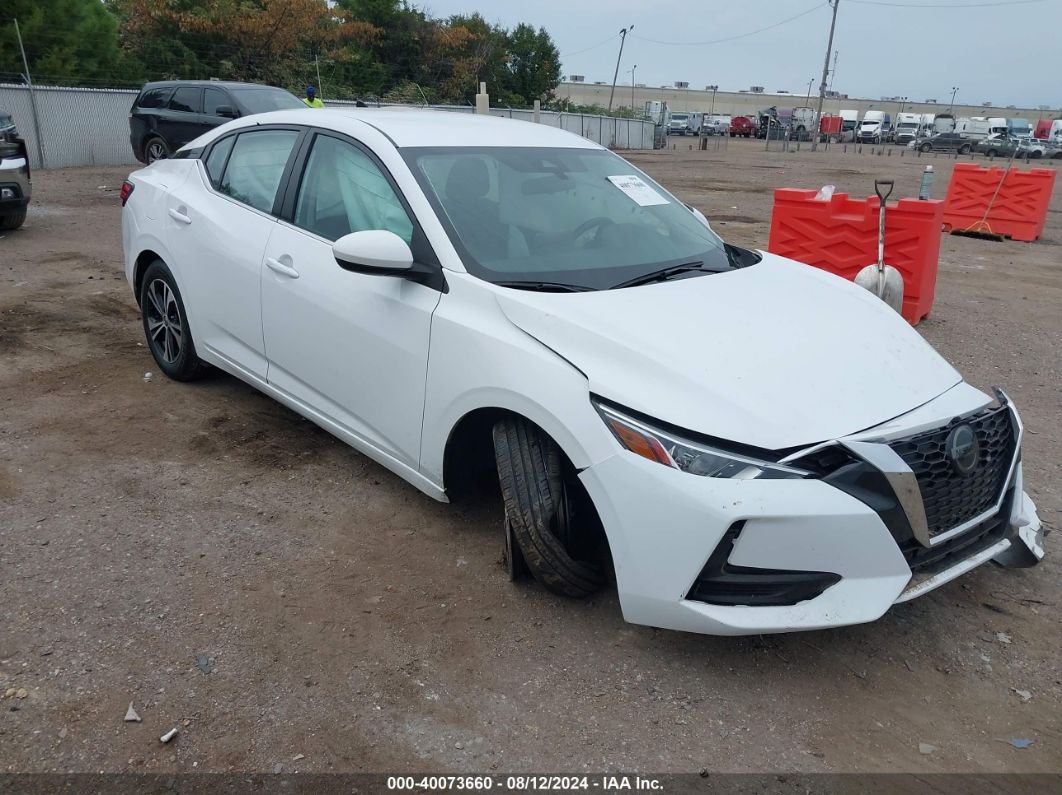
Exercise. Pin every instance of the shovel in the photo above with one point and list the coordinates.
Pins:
(881, 279)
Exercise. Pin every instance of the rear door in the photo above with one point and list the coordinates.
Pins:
(180, 122)
(218, 222)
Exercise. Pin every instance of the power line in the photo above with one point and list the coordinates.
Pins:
(991, 4)
(594, 47)
(814, 8)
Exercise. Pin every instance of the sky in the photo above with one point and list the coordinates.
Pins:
(1005, 51)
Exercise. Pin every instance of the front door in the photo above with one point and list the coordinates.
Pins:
(350, 346)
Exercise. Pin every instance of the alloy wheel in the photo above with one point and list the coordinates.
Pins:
(155, 151)
(165, 328)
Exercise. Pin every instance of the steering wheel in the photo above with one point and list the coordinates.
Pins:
(596, 224)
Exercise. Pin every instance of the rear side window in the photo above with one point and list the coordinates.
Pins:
(215, 162)
(185, 99)
(256, 165)
(153, 98)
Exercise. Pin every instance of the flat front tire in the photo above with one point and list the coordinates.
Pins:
(166, 324)
(537, 508)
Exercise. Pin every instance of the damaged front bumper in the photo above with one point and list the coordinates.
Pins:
(732, 557)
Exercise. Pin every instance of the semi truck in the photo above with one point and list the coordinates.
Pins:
(943, 122)
(1019, 128)
(875, 127)
(908, 127)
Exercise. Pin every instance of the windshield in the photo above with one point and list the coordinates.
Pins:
(265, 99)
(579, 217)
(679, 117)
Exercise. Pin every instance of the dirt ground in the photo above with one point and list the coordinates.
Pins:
(349, 623)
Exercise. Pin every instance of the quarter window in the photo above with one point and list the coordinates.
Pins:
(344, 191)
(155, 98)
(256, 165)
(215, 161)
(185, 99)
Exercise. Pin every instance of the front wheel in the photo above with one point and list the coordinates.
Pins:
(166, 324)
(552, 521)
(991, 153)
(925, 147)
(1036, 154)
(964, 149)
(13, 221)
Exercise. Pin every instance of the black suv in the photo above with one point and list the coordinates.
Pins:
(14, 175)
(167, 115)
(943, 142)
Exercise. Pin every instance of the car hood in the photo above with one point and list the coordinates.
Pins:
(776, 355)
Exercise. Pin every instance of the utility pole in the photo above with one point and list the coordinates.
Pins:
(833, 72)
(633, 70)
(714, 89)
(317, 63)
(33, 99)
(825, 74)
(623, 38)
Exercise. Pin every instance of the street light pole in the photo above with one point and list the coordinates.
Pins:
(633, 68)
(825, 74)
(714, 89)
(615, 75)
(954, 91)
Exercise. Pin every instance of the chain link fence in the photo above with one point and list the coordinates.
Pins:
(90, 127)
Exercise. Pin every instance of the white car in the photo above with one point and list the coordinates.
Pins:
(744, 443)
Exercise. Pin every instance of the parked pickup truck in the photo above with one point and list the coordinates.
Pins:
(943, 142)
(14, 175)
(1009, 145)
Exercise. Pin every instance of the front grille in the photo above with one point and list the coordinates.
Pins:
(930, 560)
(951, 498)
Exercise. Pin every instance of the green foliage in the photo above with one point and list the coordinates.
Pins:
(62, 38)
(367, 49)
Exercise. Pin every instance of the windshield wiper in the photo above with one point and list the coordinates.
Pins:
(545, 287)
(664, 274)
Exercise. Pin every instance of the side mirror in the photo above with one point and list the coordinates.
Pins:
(375, 251)
(227, 111)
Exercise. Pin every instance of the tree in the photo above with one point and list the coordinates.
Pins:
(534, 64)
(73, 42)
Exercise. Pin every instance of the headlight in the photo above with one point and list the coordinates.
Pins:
(687, 455)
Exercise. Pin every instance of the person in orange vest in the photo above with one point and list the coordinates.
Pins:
(311, 100)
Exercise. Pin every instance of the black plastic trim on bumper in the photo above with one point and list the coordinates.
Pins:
(722, 583)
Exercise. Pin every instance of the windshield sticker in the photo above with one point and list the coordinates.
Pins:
(639, 192)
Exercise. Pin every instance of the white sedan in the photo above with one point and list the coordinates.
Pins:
(742, 443)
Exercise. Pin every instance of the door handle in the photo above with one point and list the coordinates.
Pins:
(281, 267)
(177, 215)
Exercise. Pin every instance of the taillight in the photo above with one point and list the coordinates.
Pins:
(127, 191)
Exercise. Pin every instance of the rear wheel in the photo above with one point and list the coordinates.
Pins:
(14, 220)
(166, 324)
(991, 153)
(548, 514)
(155, 149)
(964, 149)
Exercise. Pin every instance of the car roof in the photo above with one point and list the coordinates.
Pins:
(198, 83)
(412, 127)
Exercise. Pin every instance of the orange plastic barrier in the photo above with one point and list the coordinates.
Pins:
(840, 235)
(1019, 211)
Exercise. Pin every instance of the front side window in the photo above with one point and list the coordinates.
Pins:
(256, 165)
(213, 98)
(344, 191)
(578, 217)
(185, 99)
